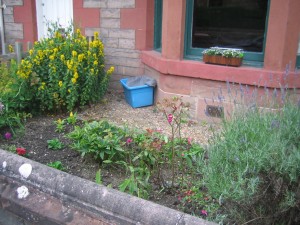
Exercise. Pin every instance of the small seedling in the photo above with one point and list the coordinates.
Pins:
(55, 144)
(60, 125)
(56, 165)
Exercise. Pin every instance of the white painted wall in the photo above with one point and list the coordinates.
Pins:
(60, 11)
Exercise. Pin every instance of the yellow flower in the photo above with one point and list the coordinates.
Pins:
(74, 53)
(51, 42)
(69, 90)
(78, 31)
(111, 70)
(73, 80)
(55, 50)
(76, 75)
(60, 83)
(96, 35)
(30, 52)
(80, 57)
(95, 62)
(57, 34)
(11, 48)
(71, 114)
(62, 57)
(42, 87)
(51, 57)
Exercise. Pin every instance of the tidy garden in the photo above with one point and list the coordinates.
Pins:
(249, 173)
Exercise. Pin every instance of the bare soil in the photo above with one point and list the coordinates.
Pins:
(114, 109)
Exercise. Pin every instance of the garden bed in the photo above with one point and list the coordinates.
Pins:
(39, 130)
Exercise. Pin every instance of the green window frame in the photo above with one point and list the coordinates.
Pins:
(250, 58)
(158, 12)
(298, 61)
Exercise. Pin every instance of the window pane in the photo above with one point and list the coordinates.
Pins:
(229, 23)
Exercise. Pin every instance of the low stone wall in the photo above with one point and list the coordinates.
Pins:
(43, 195)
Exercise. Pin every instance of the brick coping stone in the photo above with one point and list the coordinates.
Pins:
(56, 197)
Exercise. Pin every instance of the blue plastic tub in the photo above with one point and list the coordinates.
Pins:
(138, 96)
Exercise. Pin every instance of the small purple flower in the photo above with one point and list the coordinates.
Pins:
(7, 135)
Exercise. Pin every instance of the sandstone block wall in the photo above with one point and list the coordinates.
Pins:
(13, 30)
(119, 43)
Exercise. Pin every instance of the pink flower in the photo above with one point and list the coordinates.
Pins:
(21, 151)
(182, 154)
(204, 212)
(128, 141)
(7, 135)
(170, 118)
(189, 140)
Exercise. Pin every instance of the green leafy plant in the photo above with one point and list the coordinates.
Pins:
(11, 113)
(55, 144)
(98, 178)
(72, 119)
(60, 125)
(57, 165)
(137, 184)
(99, 139)
(64, 71)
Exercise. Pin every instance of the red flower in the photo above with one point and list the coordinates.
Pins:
(189, 140)
(21, 151)
(204, 212)
(128, 141)
(170, 118)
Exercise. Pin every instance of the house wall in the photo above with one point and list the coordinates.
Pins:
(123, 27)
(195, 80)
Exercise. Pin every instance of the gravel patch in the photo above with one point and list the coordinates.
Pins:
(115, 109)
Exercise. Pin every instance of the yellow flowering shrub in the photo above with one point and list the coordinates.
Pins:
(65, 71)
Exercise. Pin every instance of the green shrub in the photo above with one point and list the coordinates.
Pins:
(98, 139)
(64, 71)
(254, 166)
(10, 114)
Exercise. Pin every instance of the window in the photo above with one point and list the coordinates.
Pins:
(227, 23)
(158, 24)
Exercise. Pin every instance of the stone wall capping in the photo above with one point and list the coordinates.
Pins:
(88, 198)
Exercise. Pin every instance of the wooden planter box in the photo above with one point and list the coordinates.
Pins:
(220, 60)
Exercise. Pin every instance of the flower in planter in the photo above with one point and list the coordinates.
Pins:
(7, 135)
(225, 52)
(21, 151)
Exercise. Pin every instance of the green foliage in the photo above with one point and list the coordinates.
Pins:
(98, 178)
(138, 182)
(56, 165)
(60, 125)
(254, 165)
(72, 119)
(10, 105)
(99, 139)
(64, 71)
(55, 144)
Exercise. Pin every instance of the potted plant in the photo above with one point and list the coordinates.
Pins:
(223, 56)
